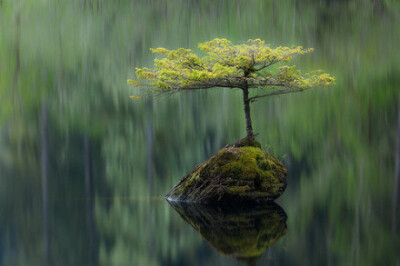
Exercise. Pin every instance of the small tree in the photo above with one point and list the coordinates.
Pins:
(247, 66)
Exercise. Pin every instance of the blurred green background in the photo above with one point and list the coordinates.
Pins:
(83, 168)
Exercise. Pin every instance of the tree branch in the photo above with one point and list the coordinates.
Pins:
(266, 65)
(252, 99)
(207, 86)
(276, 61)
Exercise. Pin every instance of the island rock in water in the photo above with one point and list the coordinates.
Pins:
(242, 172)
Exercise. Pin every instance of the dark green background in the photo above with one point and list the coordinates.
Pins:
(83, 168)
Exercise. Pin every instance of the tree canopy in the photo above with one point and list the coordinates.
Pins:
(245, 66)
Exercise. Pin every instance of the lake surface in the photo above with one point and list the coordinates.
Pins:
(84, 168)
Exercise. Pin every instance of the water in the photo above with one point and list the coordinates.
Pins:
(83, 168)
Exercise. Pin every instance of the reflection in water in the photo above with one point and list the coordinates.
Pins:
(45, 165)
(396, 176)
(242, 232)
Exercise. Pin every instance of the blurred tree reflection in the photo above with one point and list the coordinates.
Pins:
(243, 232)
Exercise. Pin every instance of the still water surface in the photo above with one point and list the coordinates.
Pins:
(83, 168)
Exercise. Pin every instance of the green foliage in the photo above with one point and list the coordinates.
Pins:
(227, 65)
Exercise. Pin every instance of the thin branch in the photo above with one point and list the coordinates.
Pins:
(252, 99)
(257, 83)
(266, 65)
(201, 86)
(276, 61)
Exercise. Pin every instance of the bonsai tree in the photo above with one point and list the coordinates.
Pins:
(241, 172)
(247, 66)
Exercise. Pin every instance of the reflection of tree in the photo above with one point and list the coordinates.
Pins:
(242, 232)
(15, 97)
(89, 199)
(396, 182)
(45, 178)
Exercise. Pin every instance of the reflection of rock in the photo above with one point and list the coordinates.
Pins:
(242, 232)
(241, 172)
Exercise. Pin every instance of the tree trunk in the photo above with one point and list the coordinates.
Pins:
(89, 198)
(45, 171)
(246, 102)
(396, 187)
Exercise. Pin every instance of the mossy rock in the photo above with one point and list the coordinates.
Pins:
(242, 172)
(241, 231)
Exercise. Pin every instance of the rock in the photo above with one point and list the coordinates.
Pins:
(242, 172)
(241, 232)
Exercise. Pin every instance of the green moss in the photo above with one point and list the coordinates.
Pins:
(195, 176)
(247, 142)
(238, 189)
(234, 173)
(245, 163)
